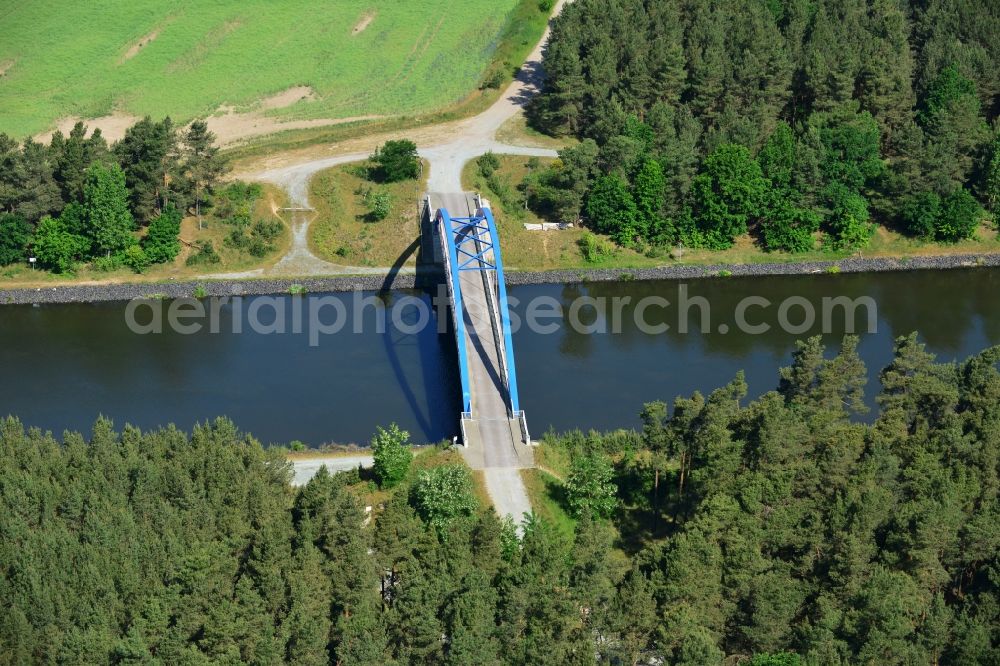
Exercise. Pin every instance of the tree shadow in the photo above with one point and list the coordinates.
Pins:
(557, 493)
(643, 518)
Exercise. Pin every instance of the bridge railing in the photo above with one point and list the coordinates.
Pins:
(450, 255)
(490, 287)
(466, 416)
(504, 308)
(522, 420)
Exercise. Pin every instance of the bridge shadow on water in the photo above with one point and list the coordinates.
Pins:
(437, 360)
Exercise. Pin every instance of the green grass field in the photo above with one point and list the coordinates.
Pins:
(64, 58)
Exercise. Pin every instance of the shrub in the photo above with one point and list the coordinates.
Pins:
(237, 199)
(379, 204)
(257, 239)
(200, 292)
(55, 247)
(258, 247)
(594, 248)
(724, 196)
(787, 226)
(494, 79)
(267, 230)
(921, 213)
(611, 209)
(848, 222)
(776, 659)
(362, 171)
(992, 185)
(204, 254)
(959, 217)
(590, 488)
(136, 258)
(948, 219)
(106, 264)
(488, 163)
(391, 451)
(237, 239)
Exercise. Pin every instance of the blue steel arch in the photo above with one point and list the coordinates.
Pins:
(467, 249)
(456, 294)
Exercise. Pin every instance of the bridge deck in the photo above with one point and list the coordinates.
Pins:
(493, 438)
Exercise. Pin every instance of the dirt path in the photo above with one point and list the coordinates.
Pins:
(306, 468)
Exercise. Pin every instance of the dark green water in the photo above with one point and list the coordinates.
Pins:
(61, 366)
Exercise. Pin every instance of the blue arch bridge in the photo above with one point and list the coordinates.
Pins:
(494, 427)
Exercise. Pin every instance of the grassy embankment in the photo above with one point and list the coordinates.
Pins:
(343, 233)
(537, 250)
(213, 230)
(65, 59)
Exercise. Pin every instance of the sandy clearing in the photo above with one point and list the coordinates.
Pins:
(112, 126)
(365, 21)
(288, 97)
(230, 127)
(234, 128)
(134, 49)
(5, 66)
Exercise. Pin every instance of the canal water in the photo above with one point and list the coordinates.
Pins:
(63, 365)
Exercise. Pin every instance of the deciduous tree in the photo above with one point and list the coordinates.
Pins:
(105, 203)
(391, 451)
(15, 236)
(162, 242)
(397, 160)
(726, 196)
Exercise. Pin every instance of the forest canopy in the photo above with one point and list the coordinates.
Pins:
(702, 121)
